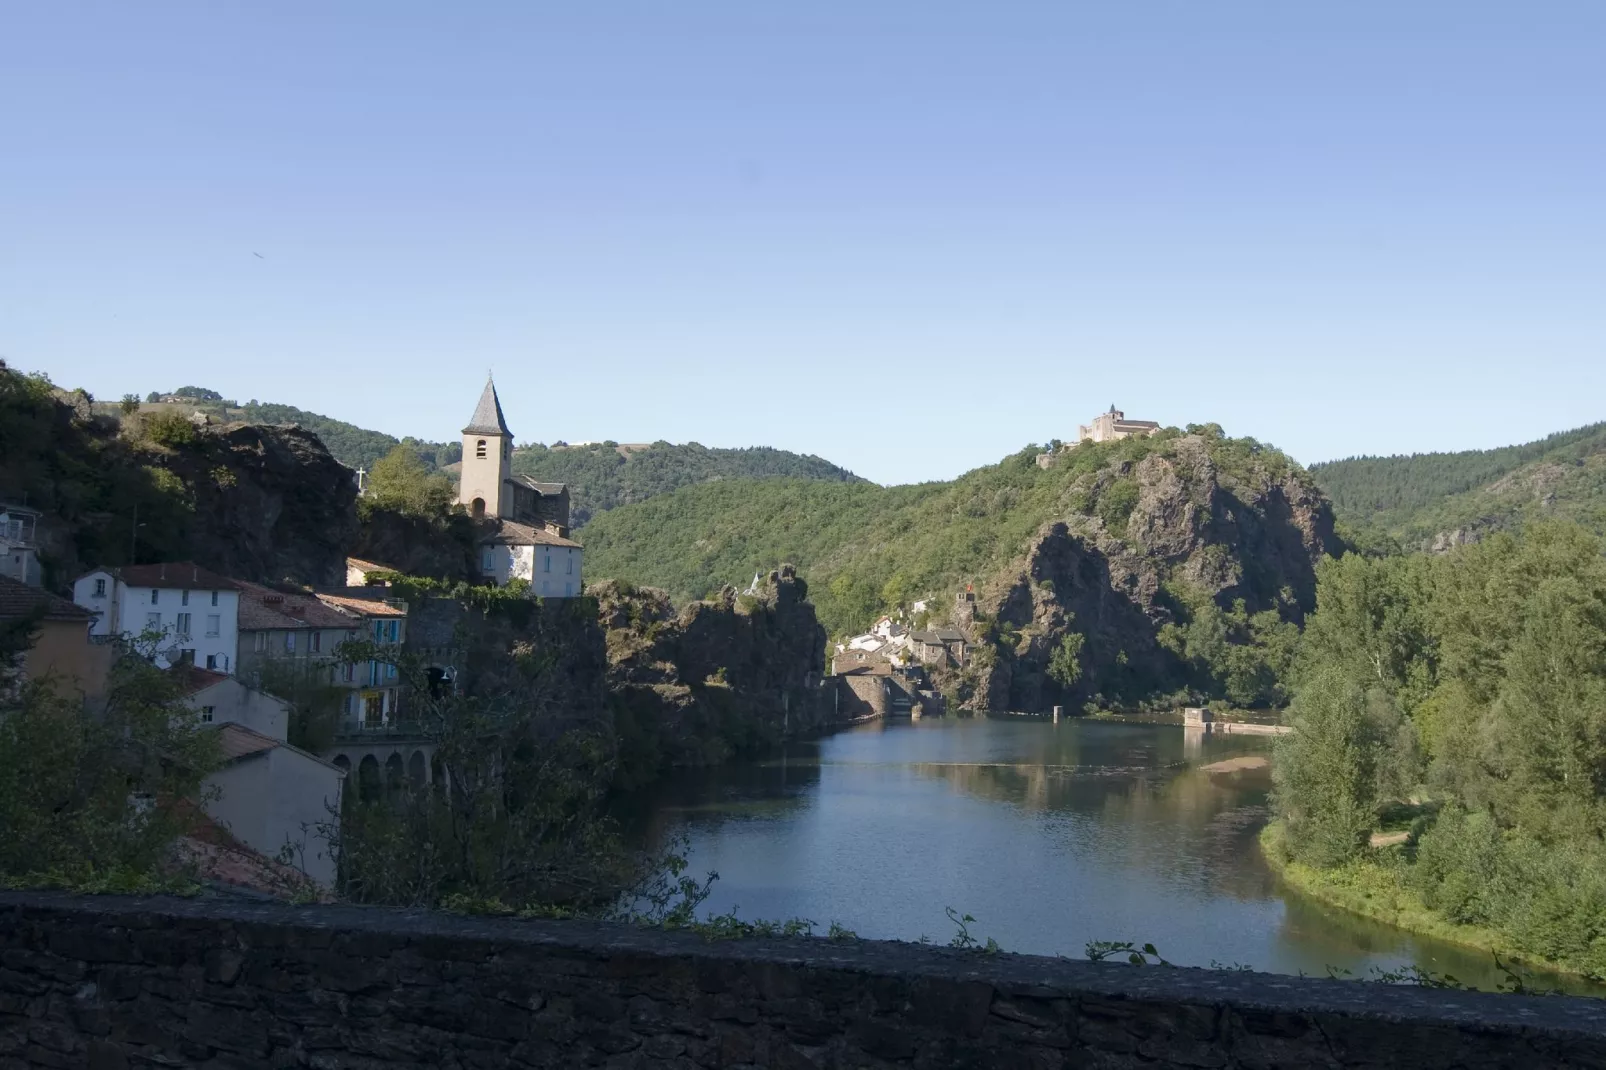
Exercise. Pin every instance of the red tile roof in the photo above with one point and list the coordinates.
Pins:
(510, 533)
(367, 607)
(266, 607)
(19, 601)
(235, 741)
(192, 679)
(174, 574)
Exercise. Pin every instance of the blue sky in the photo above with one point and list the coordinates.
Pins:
(910, 237)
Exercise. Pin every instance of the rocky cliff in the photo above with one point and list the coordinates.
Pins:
(697, 685)
(266, 503)
(1198, 533)
(261, 503)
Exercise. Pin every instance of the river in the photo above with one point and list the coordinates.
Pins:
(1050, 835)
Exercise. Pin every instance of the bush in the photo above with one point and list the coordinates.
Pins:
(171, 429)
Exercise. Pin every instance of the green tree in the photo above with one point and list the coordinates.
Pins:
(401, 482)
(1065, 665)
(98, 798)
(1325, 773)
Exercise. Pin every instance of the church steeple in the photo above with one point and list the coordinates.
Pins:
(487, 418)
(487, 468)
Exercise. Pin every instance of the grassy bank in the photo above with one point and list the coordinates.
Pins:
(1375, 889)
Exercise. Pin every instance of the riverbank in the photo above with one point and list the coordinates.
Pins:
(1373, 890)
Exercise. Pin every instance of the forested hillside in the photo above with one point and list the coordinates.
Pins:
(1430, 500)
(1213, 538)
(602, 476)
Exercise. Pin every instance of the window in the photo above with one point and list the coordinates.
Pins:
(487, 559)
(570, 560)
(154, 593)
(479, 448)
(211, 661)
(289, 642)
(261, 642)
(350, 675)
(214, 598)
(214, 624)
(181, 624)
(100, 588)
(317, 643)
(379, 631)
(207, 712)
(390, 672)
(546, 563)
(153, 622)
(184, 598)
(394, 631)
(373, 711)
(568, 590)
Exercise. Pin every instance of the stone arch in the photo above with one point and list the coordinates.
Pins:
(479, 448)
(368, 784)
(477, 508)
(394, 775)
(415, 769)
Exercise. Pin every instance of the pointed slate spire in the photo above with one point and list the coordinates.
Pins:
(487, 419)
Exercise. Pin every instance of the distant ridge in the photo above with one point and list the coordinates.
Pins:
(1436, 498)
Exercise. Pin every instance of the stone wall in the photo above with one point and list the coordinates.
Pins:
(117, 982)
(863, 695)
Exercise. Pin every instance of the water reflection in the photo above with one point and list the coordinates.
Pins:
(1052, 835)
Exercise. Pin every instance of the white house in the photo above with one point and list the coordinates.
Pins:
(194, 611)
(19, 550)
(551, 563)
(221, 699)
(527, 523)
(270, 795)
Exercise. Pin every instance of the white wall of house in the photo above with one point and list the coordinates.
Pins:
(206, 622)
(557, 571)
(552, 571)
(230, 701)
(276, 797)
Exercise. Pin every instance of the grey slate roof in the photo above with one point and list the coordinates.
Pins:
(551, 489)
(488, 419)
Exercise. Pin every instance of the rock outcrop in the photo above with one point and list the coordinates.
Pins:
(260, 503)
(730, 675)
(267, 503)
(1254, 534)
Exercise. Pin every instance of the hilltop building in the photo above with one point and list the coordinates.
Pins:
(530, 536)
(1113, 425)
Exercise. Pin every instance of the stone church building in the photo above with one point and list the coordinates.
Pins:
(526, 522)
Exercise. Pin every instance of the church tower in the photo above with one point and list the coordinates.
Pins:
(483, 488)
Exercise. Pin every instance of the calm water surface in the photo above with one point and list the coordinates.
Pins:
(1051, 835)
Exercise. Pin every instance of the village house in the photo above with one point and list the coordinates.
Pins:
(288, 632)
(19, 547)
(218, 699)
(191, 613)
(373, 699)
(274, 797)
(360, 573)
(1112, 426)
(529, 538)
(940, 646)
(60, 649)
